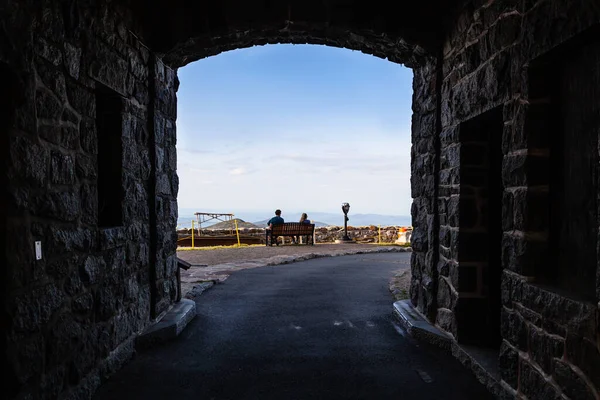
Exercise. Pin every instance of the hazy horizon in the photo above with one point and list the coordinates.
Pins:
(186, 215)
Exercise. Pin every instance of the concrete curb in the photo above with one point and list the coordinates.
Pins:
(169, 327)
(418, 327)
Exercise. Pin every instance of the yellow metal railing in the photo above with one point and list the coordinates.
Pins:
(237, 233)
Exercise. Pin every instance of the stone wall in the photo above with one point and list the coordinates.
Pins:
(424, 171)
(534, 63)
(72, 316)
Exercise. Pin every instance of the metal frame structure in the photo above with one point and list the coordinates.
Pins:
(205, 217)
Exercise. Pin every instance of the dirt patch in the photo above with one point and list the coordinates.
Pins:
(400, 284)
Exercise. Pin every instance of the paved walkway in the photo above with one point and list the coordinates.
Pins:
(217, 265)
(318, 329)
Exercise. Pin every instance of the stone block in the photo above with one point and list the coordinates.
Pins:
(530, 316)
(112, 237)
(454, 211)
(52, 382)
(507, 211)
(444, 236)
(28, 161)
(81, 99)
(89, 204)
(26, 354)
(451, 176)
(52, 78)
(578, 317)
(63, 241)
(508, 362)
(446, 295)
(62, 205)
(65, 335)
(72, 60)
(107, 302)
(446, 320)
(47, 106)
(534, 386)
(514, 170)
(62, 169)
(572, 383)
(506, 31)
(35, 307)
(585, 354)
(83, 304)
(543, 348)
(82, 361)
(92, 270)
(514, 329)
(88, 136)
(523, 256)
(110, 69)
(48, 51)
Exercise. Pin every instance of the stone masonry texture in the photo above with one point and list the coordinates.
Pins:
(491, 235)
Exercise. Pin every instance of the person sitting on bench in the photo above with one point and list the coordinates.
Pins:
(303, 220)
(274, 221)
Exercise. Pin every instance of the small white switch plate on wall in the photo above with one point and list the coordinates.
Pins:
(38, 250)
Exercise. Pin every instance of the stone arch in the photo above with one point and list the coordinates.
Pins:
(380, 45)
(201, 30)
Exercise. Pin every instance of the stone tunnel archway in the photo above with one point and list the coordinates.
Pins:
(73, 316)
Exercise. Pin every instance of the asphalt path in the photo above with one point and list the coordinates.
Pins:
(317, 329)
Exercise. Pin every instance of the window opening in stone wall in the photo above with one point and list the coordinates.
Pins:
(109, 121)
(480, 235)
(563, 120)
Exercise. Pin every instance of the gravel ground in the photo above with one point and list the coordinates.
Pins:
(233, 254)
(215, 266)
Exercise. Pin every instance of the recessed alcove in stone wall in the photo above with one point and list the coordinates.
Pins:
(562, 189)
(109, 122)
(480, 235)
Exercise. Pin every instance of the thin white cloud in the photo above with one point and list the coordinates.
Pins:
(237, 171)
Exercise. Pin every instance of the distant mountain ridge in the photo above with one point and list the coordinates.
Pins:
(231, 224)
(324, 218)
(263, 223)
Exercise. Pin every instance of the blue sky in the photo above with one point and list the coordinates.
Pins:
(296, 127)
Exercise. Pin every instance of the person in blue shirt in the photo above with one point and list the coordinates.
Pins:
(274, 221)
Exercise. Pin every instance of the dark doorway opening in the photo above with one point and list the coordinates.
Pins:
(480, 235)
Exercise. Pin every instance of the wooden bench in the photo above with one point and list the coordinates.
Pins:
(291, 229)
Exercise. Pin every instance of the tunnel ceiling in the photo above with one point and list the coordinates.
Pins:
(183, 31)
